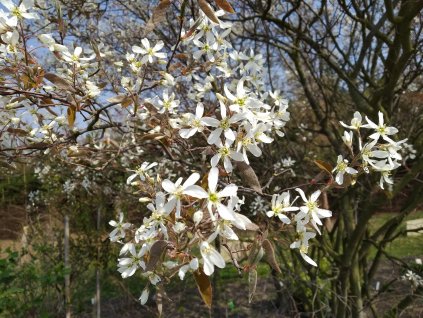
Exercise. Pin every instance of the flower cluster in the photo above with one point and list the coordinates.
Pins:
(245, 118)
(380, 153)
(415, 279)
(309, 212)
(217, 209)
(74, 89)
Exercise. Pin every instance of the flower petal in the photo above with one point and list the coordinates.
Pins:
(229, 191)
(212, 179)
(191, 180)
(168, 186)
(224, 212)
(196, 192)
(308, 259)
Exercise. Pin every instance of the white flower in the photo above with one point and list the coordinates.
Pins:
(414, 278)
(15, 120)
(93, 89)
(220, 39)
(287, 162)
(219, 13)
(178, 227)
(195, 121)
(280, 204)
(160, 212)
(355, 122)
(48, 40)
(206, 28)
(247, 141)
(223, 125)
(144, 296)
(241, 221)
(12, 40)
(125, 248)
(19, 12)
(75, 57)
(128, 265)
(120, 228)
(168, 79)
(141, 171)
(238, 56)
(277, 98)
(369, 150)
(214, 198)
(148, 51)
(208, 47)
(348, 138)
(152, 277)
(191, 266)
(302, 243)
(259, 133)
(408, 151)
(241, 103)
(342, 168)
(311, 210)
(211, 258)
(279, 116)
(385, 167)
(392, 149)
(225, 153)
(197, 217)
(177, 190)
(223, 228)
(168, 103)
(381, 129)
(255, 62)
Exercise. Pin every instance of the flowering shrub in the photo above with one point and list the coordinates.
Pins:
(216, 106)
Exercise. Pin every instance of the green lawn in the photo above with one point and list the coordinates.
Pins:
(403, 246)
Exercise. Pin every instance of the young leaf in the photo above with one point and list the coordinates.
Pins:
(159, 299)
(225, 5)
(156, 253)
(270, 255)
(248, 176)
(252, 227)
(192, 29)
(60, 82)
(71, 115)
(126, 102)
(256, 253)
(324, 166)
(208, 11)
(204, 287)
(252, 284)
(17, 131)
(117, 99)
(159, 15)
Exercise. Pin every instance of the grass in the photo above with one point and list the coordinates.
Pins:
(403, 246)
